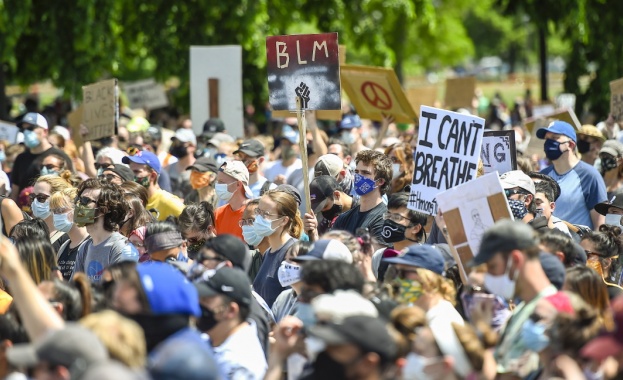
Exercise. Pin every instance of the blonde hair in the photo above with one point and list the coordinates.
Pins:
(473, 347)
(63, 198)
(123, 338)
(287, 206)
(405, 319)
(432, 282)
(56, 182)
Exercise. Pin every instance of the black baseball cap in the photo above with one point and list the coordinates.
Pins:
(321, 191)
(616, 202)
(293, 191)
(204, 164)
(213, 125)
(230, 282)
(251, 148)
(230, 247)
(504, 236)
(122, 171)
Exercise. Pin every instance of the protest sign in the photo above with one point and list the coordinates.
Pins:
(222, 64)
(616, 99)
(305, 66)
(460, 92)
(447, 155)
(498, 151)
(100, 109)
(470, 209)
(8, 132)
(74, 119)
(145, 94)
(376, 91)
(565, 101)
(422, 96)
(565, 114)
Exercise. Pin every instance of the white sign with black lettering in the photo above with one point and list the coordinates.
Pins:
(499, 151)
(8, 132)
(146, 94)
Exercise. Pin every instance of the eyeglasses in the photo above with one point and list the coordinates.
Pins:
(108, 177)
(196, 241)
(395, 217)
(49, 166)
(101, 166)
(41, 198)
(510, 192)
(246, 222)
(264, 214)
(84, 201)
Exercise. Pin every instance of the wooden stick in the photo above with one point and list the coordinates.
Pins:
(300, 116)
(381, 135)
(213, 105)
(442, 226)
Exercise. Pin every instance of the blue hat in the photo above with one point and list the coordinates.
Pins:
(558, 127)
(350, 122)
(421, 255)
(167, 290)
(144, 157)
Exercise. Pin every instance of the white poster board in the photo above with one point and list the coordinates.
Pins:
(146, 94)
(8, 132)
(225, 64)
(447, 154)
(498, 151)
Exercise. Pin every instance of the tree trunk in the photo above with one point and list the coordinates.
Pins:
(4, 101)
(543, 62)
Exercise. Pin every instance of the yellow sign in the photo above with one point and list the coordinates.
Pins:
(565, 114)
(616, 99)
(375, 91)
(422, 96)
(460, 92)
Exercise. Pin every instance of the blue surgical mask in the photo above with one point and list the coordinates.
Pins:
(222, 192)
(533, 336)
(250, 236)
(348, 137)
(40, 210)
(31, 140)
(363, 185)
(62, 222)
(46, 171)
(552, 149)
(305, 312)
(2, 156)
(264, 227)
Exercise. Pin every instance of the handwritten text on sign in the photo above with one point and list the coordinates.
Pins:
(307, 66)
(499, 152)
(447, 155)
(100, 112)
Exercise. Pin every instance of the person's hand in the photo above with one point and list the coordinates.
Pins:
(568, 368)
(84, 131)
(280, 179)
(309, 221)
(481, 311)
(388, 119)
(288, 337)
(9, 257)
(312, 123)
(441, 223)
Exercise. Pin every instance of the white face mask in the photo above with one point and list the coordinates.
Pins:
(288, 273)
(222, 191)
(414, 367)
(396, 171)
(613, 219)
(502, 285)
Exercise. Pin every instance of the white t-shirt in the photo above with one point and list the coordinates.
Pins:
(278, 169)
(241, 355)
(257, 187)
(442, 315)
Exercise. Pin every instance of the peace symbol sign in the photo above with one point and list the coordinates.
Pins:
(376, 95)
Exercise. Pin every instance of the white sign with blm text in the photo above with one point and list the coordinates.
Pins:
(447, 155)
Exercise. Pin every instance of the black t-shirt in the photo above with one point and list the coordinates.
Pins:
(67, 259)
(59, 242)
(372, 219)
(27, 166)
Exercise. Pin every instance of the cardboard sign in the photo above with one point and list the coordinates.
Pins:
(223, 63)
(376, 91)
(498, 151)
(422, 96)
(305, 66)
(565, 101)
(74, 119)
(8, 132)
(146, 94)
(616, 99)
(470, 209)
(460, 92)
(566, 114)
(447, 154)
(100, 114)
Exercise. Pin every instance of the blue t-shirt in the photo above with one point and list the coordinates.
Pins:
(266, 282)
(581, 188)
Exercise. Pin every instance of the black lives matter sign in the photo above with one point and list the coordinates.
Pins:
(305, 66)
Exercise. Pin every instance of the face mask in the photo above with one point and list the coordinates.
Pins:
(61, 222)
(250, 236)
(222, 193)
(583, 146)
(415, 365)
(314, 346)
(288, 273)
(46, 171)
(305, 312)
(178, 151)
(199, 180)
(193, 249)
(346, 184)
(347, 137)
(207, 321)
(143, 181)
(2, 156)
(40, 210)
(31, 140)
(100, 171)
(288, 153)
(363, 185)
(263, 227)
(518, 208)
(552, 149)
(310, 149)
(533, 336)
(410, 291)
(608, 163)
(327, 368)
(253, 167)
(333, 212)
(396, 171)
(393, 232)
(84, 215)
(613, 219)
(502, 285)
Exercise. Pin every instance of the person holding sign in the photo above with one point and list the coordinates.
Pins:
(581, 185)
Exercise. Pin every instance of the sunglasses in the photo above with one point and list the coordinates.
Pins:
(49, 166)
(101, 166)
(108, 177)
(41, 198)
(511, 192)
(84, 201)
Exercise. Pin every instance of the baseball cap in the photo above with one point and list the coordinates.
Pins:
(616, 201)
(558, 127)
(321, 191)
(504, 236)
(231, 282)
(238, 171)
(368, 333)
(327, 249)
(182, 358)
(592, 131)
(60, 130)
(609, 343)
(290, 134)
(230, 247)
(204, 164)
(63, 347)
(144, 157)
(350, 122)
(517, 178)
(167, 290)
(293, 191)
(185, 135)
(613, 148)
(33, 118)
(213, 125)
(341, 304)
(251, 148)
(122, 171)
(553, 268)
(328, 164)
(422, 256)
(220, 138)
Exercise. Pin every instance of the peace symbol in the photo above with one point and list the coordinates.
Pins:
(376, 95)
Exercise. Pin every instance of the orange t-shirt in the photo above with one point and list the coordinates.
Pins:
(227, 220)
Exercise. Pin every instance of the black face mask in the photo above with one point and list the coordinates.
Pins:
(157, 328)
(207, 321)
(326, 368)
(393, 232)
(608, 163)
(179, 151)
(310, 149)
(583, 146)
(333, 212)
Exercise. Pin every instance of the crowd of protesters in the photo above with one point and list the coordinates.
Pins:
(132, 257)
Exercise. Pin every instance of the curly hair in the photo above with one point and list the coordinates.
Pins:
(608, 245)
(110, 202)
(382, 167)
(287, 206)
(434, 283)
